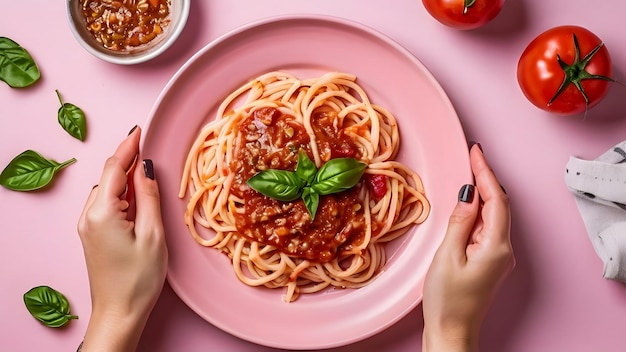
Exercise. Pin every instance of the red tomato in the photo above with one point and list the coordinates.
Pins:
(463, 14)
(565, 70)
(377, 185)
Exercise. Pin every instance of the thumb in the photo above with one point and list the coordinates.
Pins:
(461, 222)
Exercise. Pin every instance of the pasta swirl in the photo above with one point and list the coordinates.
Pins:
(275, 244)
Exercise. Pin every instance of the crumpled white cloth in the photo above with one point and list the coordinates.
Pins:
(599, 188)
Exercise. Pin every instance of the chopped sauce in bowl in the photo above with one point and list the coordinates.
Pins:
(126, 25)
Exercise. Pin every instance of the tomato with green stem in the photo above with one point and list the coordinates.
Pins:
(565, 70)
(463, 14)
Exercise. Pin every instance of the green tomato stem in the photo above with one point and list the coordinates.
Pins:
(576, 73)
(467, 4)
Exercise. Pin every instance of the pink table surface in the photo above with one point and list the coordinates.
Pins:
(556, 300)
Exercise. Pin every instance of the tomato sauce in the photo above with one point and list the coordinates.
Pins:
(271, 140)
(125, 25)
(377, 185)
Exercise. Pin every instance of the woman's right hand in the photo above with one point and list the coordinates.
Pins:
(473, 260)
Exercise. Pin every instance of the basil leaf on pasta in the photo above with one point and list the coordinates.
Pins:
(307, 182)
(305, 168)
(278, 184)
(338, 175)
(311, 200)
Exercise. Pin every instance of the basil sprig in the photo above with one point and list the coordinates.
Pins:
(30, 171)
(17, 67)
(49, 306)
(307, 182)
(72, 119)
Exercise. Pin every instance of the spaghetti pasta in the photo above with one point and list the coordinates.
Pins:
(264, 124)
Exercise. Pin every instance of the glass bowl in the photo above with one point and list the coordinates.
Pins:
(164, 34)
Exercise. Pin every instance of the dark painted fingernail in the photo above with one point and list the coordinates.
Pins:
(132, 130)
(503, 190)
(148, 168)
(466, 194)
(471, 144)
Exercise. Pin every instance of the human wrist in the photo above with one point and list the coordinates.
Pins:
(113, 331)
(449, 340)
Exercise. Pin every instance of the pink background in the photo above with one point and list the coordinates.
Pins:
(556, 300)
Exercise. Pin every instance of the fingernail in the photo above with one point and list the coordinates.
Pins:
(471, 144)
(503, 190)
(466, 194)
(132, 130)
(148, 168)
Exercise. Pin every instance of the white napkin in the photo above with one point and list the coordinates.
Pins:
(599, 187)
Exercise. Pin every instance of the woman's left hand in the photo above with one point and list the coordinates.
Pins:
(124, 244)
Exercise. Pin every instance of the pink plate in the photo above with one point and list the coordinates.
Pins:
(433, 144)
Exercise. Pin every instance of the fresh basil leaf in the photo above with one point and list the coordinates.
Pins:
(30, 171)
(278, 184)
(72, 119)
(49, 306)
(311, 200)
(307, 182)
(17, 67)
(338, 175)
(305, 169)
